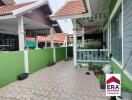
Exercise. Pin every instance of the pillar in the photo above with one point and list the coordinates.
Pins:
(66, 45)
(108, 47)
(74, 42)
(83, 40)
(110, 36)
(45, 44)
(37, 44)
(52, 43)
(21, 33)
(22, 43)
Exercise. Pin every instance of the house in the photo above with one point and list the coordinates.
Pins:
(111, 18)
(17, 23)
(29, 18)
(60, 39)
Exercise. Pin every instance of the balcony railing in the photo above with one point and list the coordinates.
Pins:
(92, 55)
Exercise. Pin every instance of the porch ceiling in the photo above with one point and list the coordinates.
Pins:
(99, 10)
(10, 26)
(99, 6)
(95, 20)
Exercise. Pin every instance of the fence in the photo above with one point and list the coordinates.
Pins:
(12, 63)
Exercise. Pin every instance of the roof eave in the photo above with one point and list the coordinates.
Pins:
(8, 2)
(30, 7)
(73, 16)
(7, 17)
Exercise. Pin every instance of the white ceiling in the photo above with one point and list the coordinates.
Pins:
(10, 26)
(98, 8)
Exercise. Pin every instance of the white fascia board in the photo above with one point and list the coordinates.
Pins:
(70, 16)
(128, 74)
(29, 7)
(9, 32)
(7, 17)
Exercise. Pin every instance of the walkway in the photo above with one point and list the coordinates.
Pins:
(59, 82)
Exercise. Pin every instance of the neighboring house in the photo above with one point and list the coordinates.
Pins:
(114, 19)
(59, 39)
(18, 21)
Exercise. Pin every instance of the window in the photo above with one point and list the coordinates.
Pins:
(116, 33)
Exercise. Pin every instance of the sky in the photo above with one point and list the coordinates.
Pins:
(66, 25)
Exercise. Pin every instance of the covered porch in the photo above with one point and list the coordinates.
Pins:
(91, 42)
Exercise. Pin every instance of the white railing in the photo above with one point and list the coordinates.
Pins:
(92, 55)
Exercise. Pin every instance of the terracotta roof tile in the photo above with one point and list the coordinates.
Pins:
(72, 7)
(6, 10)
(58, 37)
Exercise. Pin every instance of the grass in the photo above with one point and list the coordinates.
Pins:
(126, 82)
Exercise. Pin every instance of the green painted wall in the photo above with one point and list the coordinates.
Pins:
(111, 8)
(11, 65)
(60, 54)
(126, 82)
(39, 59)
(112, 5)
(70, 51)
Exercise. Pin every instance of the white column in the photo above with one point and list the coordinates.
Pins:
(37, 44)
(52, 44)
(110, 36)
(83, 37)
(21, 33)
(66, 46)
(45, 44)
(74, 43)
(22, 42)
(52, 38)
(26, 64)
(108, 44)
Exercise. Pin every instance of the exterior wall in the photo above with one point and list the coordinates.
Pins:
(127, 35)
(11, 65)
(38, 15)
(60, 54)
(39, 59)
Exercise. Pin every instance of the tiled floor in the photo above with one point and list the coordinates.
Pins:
(59, 82)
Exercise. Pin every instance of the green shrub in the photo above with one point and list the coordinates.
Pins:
(101, 79)
(94, 66)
